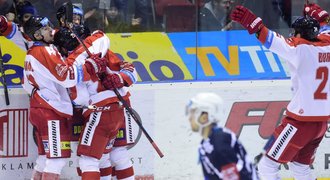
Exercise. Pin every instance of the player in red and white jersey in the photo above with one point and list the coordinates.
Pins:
(50, 104)
(120, 159)
(308, 57)
(12, 32)
(101, 95)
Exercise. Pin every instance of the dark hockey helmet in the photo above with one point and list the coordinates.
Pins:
(34, 24)
(64, 38)
(76, 10)
(25, 8)
(307, 27)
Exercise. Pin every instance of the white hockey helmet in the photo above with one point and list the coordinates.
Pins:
(207, 102)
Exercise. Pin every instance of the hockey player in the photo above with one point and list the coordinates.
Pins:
(303, 128)
(14, 31)
(119, 155)
(50, 104)
(315, 11)
(78, 15)
(221, 154)
(123, 74)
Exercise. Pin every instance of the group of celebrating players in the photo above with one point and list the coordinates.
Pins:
(71, 72)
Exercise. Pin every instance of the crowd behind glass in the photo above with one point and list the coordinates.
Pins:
(122, 16)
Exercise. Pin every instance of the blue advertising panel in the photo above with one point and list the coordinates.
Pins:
(229, 55)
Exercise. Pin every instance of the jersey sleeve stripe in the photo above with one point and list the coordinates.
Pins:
(129, 74)
(11, 30)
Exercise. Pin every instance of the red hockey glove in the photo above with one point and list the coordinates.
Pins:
(316, 12)
(127, 66)
(96, 65)
(247, 19)
(113, 81)
(3, 24)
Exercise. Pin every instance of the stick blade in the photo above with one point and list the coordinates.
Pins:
(69, 12)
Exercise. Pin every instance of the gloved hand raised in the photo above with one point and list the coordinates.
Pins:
(96, 65)
(247, 19)
(316, 12)
(127, 66)
(3, 24)
(112, 81)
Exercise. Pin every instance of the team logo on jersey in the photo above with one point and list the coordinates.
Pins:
(14, 133)
(61, 69)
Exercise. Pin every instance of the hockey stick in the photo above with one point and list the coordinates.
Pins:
(121, 99)
(3, 76)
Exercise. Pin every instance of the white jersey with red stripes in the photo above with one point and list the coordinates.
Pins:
(309, 65)
(45, 70)
(14, 33)
(98, 42)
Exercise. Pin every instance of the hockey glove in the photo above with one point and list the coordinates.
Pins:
(113, 81)
(316, 12)
(3, 24)
(127, 66)
(96, 65)
(247, 19)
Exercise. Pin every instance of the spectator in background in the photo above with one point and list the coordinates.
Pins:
(95, 14)
(142, 16)
(49, 8)
(116, 22)
(122, 6)
(324, 3)
(118, 16)
(137, 13)
(214, 16)
(5, 6)
(273, 12)
(20, 12)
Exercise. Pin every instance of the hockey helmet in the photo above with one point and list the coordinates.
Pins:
(66, 39)
(25, 8)
(61, 12)
(307, 27)
(209, 103)
(34, 24)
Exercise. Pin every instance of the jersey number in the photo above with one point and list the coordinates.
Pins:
(323, 74)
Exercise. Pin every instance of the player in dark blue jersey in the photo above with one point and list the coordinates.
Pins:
(222, 156)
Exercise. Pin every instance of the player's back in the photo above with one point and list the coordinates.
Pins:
(308, 63)
(310, 75)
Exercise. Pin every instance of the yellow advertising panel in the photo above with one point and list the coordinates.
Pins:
(13, 59)
(152, 54)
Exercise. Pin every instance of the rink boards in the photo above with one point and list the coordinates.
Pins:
(252, 110)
